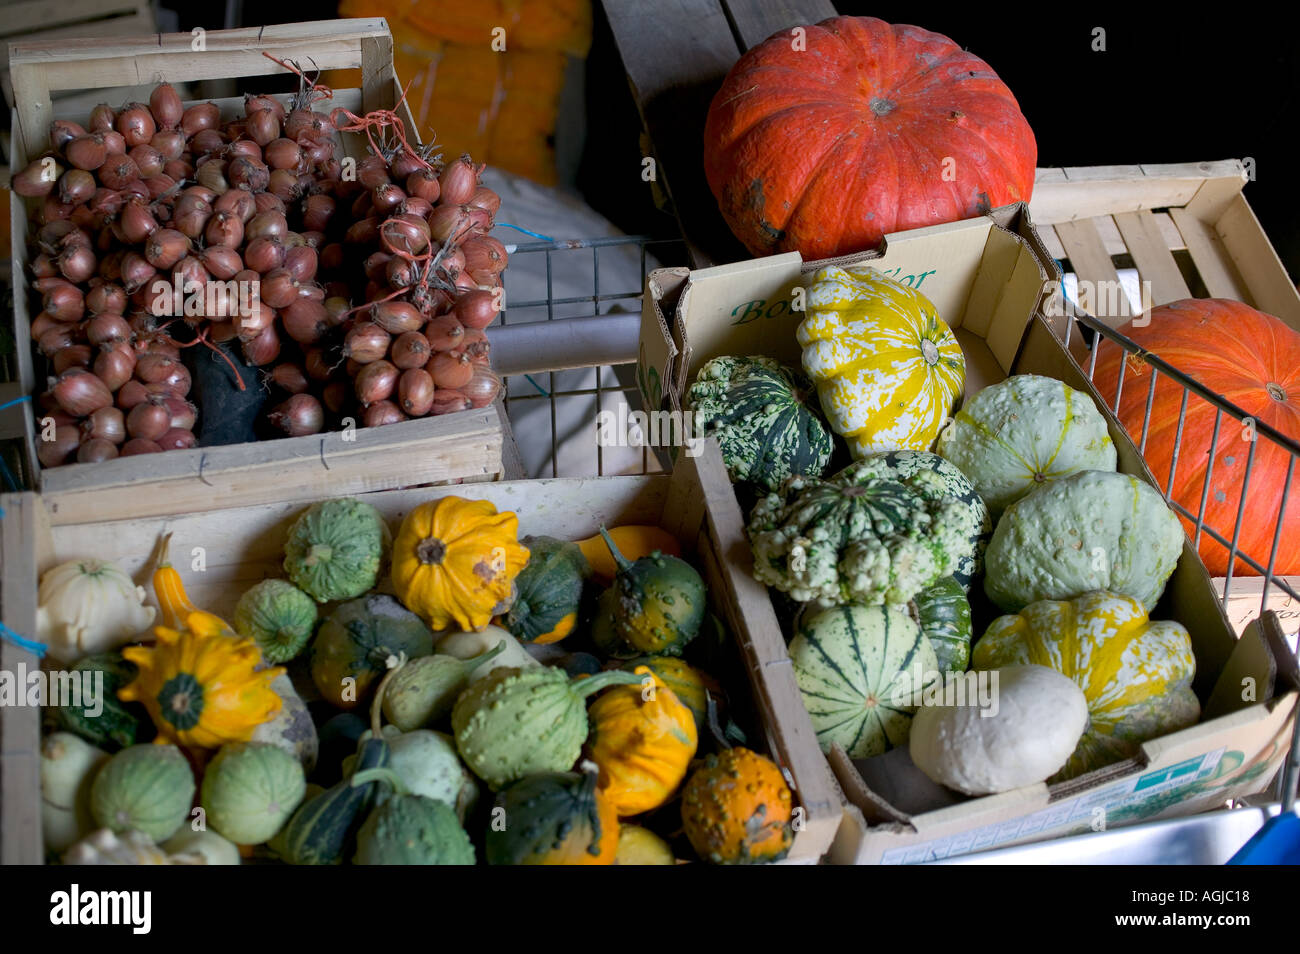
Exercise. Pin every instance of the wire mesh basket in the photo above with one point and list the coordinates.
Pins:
(554, 410)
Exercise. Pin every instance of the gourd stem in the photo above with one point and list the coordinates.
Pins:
(623, 562)
(380, 774)
(376, 707)
(481, 658)
(586, 685)
(164, 557)
(715, 727)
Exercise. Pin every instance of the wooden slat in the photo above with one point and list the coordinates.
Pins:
(1271, 289)
(1154, 262)
(427, 450)
(39, 15)
(20, 789)
(755, 20)
(674, 74)
(1091, 264)
(1063, 195)
(1216, 270)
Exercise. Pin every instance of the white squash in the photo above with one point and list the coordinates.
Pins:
(89, 606)
(1024, 736)
(68, 767)
(427, 762)
(104, 847)
(476, 643)
(207, 844)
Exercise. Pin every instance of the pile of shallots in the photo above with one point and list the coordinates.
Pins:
(360, 289)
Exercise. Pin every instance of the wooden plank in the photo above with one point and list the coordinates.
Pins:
(1063, 195)
(1246, 594)
(1154, 262)
(1210, 258)
(20, 789)
(1271, 288)
(428, 450)
(377, 73)
(1088, 258)
(33, 15)
(753, 21)
(674, 74)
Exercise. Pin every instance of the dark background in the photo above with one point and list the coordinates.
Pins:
(1176, 84)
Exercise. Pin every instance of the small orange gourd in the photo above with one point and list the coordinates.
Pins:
(455, 561)
(633, 542)
(643, 739)
(736, 809)
(174, 603)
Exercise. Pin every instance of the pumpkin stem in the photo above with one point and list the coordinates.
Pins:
(586, 685)
(376, 707)
(164, 557)
(623, 562)
(380, 774)
(430, 551)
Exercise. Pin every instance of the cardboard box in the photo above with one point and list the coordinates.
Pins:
(989, 279)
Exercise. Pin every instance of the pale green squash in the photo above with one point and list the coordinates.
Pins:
(1135, 673)
(1089, 531)
(1022, 432)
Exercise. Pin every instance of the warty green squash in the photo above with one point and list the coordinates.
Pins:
(519, 722)
(553, 818)
(655, 605)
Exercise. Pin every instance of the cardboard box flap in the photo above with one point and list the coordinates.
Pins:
(657, 353)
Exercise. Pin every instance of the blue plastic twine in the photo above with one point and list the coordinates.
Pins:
(519, 228)
(19, 400)
(37, 649)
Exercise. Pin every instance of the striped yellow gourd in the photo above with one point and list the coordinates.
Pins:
(887, 367)
(1136, 673)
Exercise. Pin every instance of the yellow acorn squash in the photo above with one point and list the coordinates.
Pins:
(201, 685)
(1135, 673)
(887, 367)
(455, 561)
(643, 739)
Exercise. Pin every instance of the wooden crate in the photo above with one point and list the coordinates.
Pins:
(466, 445)
(1188, 230)
(244, 545)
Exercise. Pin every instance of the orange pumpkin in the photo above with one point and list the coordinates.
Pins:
(736, 809)
(1253, 360)
(873, 128)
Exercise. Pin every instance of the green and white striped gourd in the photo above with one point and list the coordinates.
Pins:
(943, 613)
(859, 669)
(765, 418)
(1022, 432)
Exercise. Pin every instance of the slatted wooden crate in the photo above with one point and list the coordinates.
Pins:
(245, 544)
(466, 445)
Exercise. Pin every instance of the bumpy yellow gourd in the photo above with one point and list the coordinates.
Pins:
(200, 685)
(643, 739)
(455, 561)
(887, 367)
(736, 809)
(1135, 673)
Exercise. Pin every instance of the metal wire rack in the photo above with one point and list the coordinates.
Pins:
(562, 281)
(1092, 332)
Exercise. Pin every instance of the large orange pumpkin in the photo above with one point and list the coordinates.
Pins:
(871, 128)
(1253, 360)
